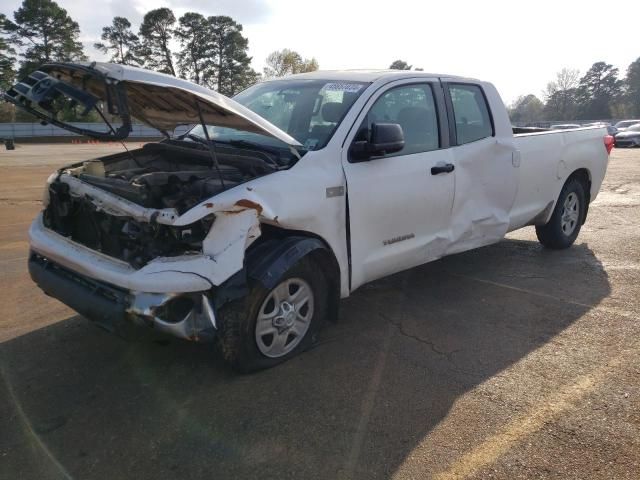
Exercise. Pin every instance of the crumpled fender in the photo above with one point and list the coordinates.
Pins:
(237, 211)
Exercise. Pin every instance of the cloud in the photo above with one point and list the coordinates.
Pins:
(245, 11)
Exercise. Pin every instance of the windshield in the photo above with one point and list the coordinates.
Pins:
(308, 110)
(634, 128)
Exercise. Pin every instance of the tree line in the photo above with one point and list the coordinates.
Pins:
(211, 50)
(599, 94)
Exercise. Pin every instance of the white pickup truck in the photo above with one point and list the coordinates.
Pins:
(248, 229)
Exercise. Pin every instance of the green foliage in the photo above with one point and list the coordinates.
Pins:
(400, 65)
(214, 53)
(598, 95)
(632, 86)
(526, 109)
(7, 59)
(232, 65)
(597, 91)
(121, 42)
(288, 62)
(43, 32)
(156, 33)
(561, 96)
(194, 59)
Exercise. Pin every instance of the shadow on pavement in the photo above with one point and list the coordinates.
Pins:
(82, 403)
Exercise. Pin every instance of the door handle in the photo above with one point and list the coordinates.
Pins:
(446, 168)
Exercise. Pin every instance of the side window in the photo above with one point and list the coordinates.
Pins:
(471, 113)
(411, 106)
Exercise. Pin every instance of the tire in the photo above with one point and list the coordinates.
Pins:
(567, 218)
(247, 349)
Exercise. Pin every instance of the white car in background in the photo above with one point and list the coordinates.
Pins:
(624, 124)
(630, 137)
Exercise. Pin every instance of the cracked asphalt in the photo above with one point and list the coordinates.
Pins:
(505, 362)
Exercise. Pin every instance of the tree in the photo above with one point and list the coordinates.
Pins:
(288, 62)
(232, 65)
(526, 109)
(194, 60)
(597, 91)
(7, 58)
(121, 41)
(156, 32)
(400, 65)
(43, 32)
(632, 87)
(560, 95)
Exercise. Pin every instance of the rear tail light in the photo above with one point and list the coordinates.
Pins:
(608, 143)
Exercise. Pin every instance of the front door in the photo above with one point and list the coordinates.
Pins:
(399, 204)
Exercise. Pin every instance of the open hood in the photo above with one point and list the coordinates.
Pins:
(160, 101)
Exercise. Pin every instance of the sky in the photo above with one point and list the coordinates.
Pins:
(518, 46)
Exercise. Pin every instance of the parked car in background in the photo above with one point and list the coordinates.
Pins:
(629, 138)
(611, 130)
(565, 126)
(624, 124)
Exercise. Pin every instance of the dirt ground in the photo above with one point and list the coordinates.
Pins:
(505, 362)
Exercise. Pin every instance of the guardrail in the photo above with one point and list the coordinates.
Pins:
(35, 130)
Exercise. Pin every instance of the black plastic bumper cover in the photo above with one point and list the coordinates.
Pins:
(99, 302)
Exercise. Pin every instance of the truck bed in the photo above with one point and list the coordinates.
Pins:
(546, 158)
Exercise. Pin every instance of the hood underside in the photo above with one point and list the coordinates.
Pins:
(160, 101)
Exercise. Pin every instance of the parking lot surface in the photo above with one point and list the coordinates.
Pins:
(507, 362)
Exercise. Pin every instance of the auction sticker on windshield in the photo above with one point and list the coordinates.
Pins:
(344, 87)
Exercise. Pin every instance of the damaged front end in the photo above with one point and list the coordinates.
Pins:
(139, 235)
(160, 177)
(150, 235)
(189, 316)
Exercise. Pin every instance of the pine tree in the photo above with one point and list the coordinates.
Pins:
(121, 42)
(156, 33)
(43, 32)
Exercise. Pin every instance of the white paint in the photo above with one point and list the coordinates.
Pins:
(216, 108)
(488, 194)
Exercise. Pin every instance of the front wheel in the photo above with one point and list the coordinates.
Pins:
(567, 218)
(270, 326)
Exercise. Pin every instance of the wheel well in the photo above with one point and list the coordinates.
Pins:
(324, 258)
(583, 176)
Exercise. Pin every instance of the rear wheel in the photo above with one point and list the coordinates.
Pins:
(567, 218)
(269, 326)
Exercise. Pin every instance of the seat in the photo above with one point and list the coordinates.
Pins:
(331, 113)
(419, 129)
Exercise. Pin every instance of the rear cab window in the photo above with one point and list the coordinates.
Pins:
(471, 113)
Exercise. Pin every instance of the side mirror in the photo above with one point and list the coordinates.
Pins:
(385, 138)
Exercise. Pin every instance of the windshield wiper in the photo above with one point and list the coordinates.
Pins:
(247, 144)
(236, 143)
(195, 138)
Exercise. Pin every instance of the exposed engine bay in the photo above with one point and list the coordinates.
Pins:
(170, 174)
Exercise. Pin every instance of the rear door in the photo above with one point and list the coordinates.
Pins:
(486, 163)
(399, 209)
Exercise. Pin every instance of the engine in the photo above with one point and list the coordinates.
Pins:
(159, 176)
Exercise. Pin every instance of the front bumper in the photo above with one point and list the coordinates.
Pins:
(187, 273)
(189, 316)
